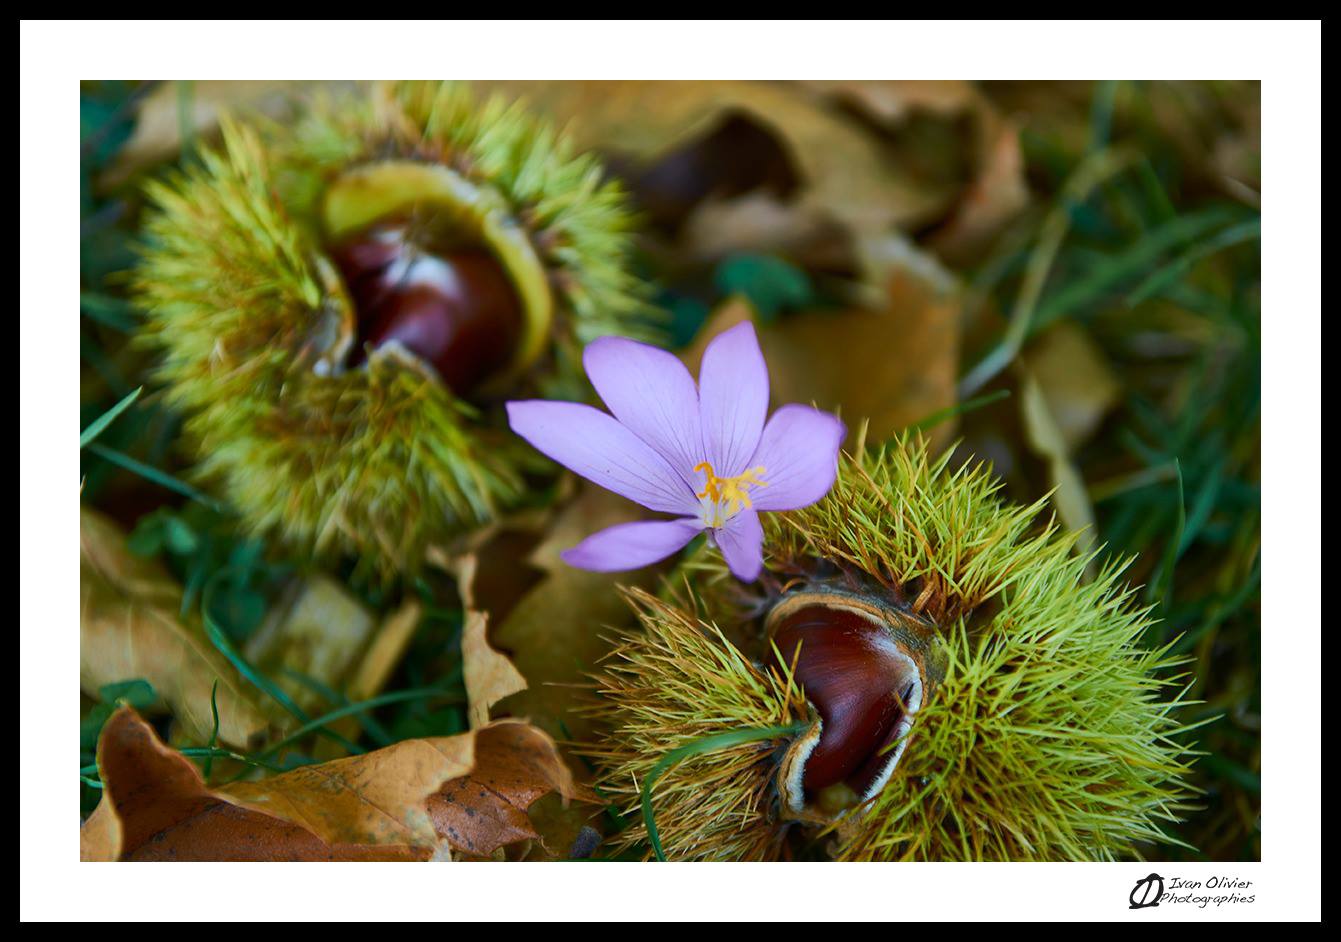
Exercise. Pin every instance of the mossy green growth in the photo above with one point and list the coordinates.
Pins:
(378, 461)
(1053, 736)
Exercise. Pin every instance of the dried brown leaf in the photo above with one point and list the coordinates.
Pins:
(515, 765)
(843, 169)
(490, 675)
(317, 630)
(375, 799)
(555, 631)
(996, 195)
(893, 362)
(1078, 384)
(129, 629)
(410, 801)
(155, 806)
(1069, 496)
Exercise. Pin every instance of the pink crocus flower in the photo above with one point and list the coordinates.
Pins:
(701, 452)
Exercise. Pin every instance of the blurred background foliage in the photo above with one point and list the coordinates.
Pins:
(1068, 271)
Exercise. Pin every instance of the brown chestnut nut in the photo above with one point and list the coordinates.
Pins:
(861, 672)
(451, 305)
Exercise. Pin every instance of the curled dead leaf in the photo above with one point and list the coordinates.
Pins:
(553, 624)
(155, 806)
(382, 805)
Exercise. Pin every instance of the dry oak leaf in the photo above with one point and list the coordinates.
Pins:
(375, 806)
(129, 628)
(515, 765)
(155, 806)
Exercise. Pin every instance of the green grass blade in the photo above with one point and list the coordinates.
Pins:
(353, 709)
(108, 311)
(1138, 258)
(259, 680)
(1092, 173)
(150, 473)
(373, 729)
(99, 424)
(1162, 585)
(735, 737)
(214, 733)
(1165, 277)
(244, 667)
(193, 752)
(961, 408)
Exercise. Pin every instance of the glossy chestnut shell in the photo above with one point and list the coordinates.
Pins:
(863, 668)
(451, 305)
(859, 682)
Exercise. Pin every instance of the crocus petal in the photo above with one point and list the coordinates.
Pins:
(733, 398)
(631, 545)
(650, 392)
(799, 454)
(594, 445)
(742, 544)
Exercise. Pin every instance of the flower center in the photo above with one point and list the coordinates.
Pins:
(727, 494)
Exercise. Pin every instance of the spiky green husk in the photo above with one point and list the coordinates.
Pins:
(1053, 735)
(670, 684)
(384, 462)
(580, 221)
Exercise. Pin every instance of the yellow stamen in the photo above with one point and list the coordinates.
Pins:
(734, 490)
